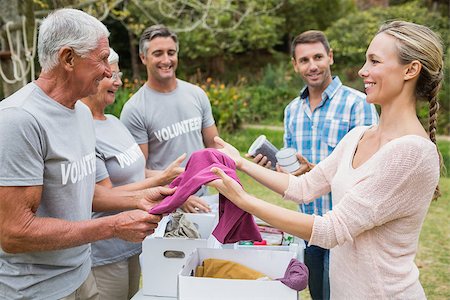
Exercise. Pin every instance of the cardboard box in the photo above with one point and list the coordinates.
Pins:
(271, 263)
(162, 258)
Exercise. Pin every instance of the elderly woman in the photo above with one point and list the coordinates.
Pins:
(120, 165)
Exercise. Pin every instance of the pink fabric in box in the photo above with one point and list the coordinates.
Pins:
(234, 223)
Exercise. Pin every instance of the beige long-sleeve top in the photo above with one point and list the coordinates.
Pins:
(378, 212)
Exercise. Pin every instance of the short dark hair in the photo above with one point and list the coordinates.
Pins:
(152, 32)
(309, 37)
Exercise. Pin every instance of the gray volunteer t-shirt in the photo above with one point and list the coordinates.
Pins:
(171, 123)
(120, 159)
(43, 143)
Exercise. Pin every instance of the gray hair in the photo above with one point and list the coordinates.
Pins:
(153, 32)
(113, 57)
(68, 27)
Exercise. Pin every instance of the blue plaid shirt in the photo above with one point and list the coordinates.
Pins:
(316, 134)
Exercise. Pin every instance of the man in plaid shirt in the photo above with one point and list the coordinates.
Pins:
(314, 123)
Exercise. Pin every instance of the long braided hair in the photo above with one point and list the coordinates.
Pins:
(418, 42)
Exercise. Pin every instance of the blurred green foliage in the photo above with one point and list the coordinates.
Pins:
(302, 15)
(257, 31)
(268, 96)
(229, 104)
(350, 36)
(258, 48)
(444, 148)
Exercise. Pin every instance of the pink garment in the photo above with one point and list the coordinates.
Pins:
(234, 223)
(296, 275)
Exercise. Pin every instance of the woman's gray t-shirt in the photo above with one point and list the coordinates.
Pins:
(119, 158)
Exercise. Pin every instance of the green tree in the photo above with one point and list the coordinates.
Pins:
(211, 29)
(350, 36)
(301, 15)
(214, 30)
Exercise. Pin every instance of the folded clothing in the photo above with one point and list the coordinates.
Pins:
(234, 223)
(295, 276)
(180, 226)
(225, 269)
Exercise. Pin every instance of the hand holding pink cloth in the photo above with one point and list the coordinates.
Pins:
(234, 223)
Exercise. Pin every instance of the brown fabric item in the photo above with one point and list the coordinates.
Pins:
(225, 269)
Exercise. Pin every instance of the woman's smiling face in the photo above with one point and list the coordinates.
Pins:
(108, 87)
(382, 72)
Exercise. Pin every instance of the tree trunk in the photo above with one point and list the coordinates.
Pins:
(217, 65)
(134, 57)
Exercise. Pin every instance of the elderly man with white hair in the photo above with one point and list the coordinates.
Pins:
(47, 177)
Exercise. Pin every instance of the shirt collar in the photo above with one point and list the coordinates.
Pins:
(329, 92)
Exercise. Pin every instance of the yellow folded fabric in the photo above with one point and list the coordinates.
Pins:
(199, 271)
(219, 268)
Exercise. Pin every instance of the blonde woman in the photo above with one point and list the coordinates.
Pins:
(382, 177)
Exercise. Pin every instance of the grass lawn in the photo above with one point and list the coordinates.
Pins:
(433, 257)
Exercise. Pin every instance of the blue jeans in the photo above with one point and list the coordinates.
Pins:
(317, 261)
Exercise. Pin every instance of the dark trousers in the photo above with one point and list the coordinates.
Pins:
(317, 261)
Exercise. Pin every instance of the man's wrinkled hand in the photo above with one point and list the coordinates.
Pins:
(135, 225)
